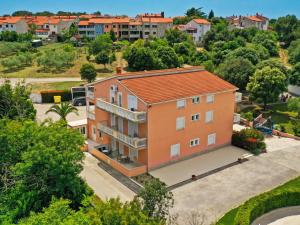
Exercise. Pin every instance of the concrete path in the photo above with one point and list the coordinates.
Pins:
(214, 195)
(104, 185)
(282, 216)
(41, 80)
(183, 170)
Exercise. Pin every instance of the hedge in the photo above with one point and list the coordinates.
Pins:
(48, 96)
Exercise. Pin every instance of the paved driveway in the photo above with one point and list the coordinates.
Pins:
(201, 164)
(104, 185)
(214, 195)
(42, 108)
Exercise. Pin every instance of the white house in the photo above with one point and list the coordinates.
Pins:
(197, 28)
(17, 24)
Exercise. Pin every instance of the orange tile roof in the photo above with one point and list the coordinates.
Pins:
(166, 85)
(201, 21)
(11, 20)
(254, 18)
(83, 23)
(156, 20)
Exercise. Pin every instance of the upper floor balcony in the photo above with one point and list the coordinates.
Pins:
(90, 92)
(134, 142)
(238, 96)
(134, 116)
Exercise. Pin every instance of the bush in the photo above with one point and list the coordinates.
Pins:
(249, 139)
(248, 116)
(48, 96)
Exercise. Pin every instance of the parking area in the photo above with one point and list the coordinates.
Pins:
(183, 170)
(42, 109)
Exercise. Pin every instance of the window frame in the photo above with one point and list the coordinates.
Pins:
(195, 115)
(212, 98)
(212, 116)
(194, 142)
(214, 135)
(177, 121)
(197, 98)
(179, 106)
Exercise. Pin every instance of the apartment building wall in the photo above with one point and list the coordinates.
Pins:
(162, 133)
(19, 26)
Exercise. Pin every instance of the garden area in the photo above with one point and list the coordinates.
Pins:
(283, 196)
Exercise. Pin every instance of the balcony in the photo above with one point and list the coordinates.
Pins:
(91, 112)
(134, 142)
(90, 92)
(120, 111)
(238, 97)
(236, 118)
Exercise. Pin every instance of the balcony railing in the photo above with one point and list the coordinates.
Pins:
(134, 142)
(120, 111)
(236, 118)
(238, 96)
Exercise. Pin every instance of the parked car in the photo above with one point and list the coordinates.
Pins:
(79, 101)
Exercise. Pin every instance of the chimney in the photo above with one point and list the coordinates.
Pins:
(119, 70)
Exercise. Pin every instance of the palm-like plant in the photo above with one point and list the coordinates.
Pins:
(63, 110)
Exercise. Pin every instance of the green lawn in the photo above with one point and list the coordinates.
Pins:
(35, 72)
(280, 116)
(228, 218)
(55, 85)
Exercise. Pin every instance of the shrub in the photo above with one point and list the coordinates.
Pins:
(248, 116)
(249, 139)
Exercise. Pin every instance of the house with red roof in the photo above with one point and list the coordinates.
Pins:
(144, 120)
(258, 20)
(197, 28)
(10, 23)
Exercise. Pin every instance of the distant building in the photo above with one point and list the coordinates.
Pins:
(259, 21)
(197, 28)
(17, 24)
(143, 120)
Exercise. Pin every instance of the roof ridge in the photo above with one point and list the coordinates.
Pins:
(171, 72)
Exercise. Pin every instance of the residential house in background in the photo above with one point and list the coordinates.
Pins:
(197, 28)
(258, 20)
(17, 24)
(144, 120)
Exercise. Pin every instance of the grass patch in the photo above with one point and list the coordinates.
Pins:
(291, 186)
(74, 71)
(61, 86)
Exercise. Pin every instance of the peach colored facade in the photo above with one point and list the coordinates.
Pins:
(156, 138)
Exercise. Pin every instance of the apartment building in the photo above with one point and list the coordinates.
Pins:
(17, 24)
(258, 20)
(144, 120)
(197, 28)
(155, 26)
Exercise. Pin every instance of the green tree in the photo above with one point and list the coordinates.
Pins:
(174, 36)
(237, 71)
(195, 12)
(37, 163)
(294, 52)
(294, 105)
(22, 13)
(156, 199)
(211, 14)
(15, 102)
(294, 77)
(273, 63)
(88, 72)
(246, 53)
(101, 43)
(63, 110)
(168, 57)
(102, 58)
(266, 85)
(287, 28)
(113, 36)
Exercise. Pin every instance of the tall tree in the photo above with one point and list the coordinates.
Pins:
(15, 102)
(63, 110)
(113, 36)
(195, 12)
(101, 43)
(211, 14)
(88, 72)
(266, 85)
(102, 58)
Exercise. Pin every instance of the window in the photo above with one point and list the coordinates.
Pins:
(154, 26)
(196, 99)
(209, 116)
(210, 98)
(195, 117)
(180, 123)
(175, 150)
(180, 103)
(147, 33)
(211, 139)
(194, 142)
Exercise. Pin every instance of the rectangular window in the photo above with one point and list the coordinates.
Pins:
(210, 98)
(180, 123)
(180, 103)
(175, 150)
(196, 117)
(209, 116)
(194, 142)
(211, 139)
(196, 100)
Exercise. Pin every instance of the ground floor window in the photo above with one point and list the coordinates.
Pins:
(175, 150)
(211, 139)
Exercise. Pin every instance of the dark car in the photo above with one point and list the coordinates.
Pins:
(79, 101)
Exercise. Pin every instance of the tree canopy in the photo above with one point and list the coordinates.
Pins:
(88, 72)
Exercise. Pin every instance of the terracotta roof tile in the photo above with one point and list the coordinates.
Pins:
(174, 85)
(156, 20)
(254, 18)
(201, 21)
